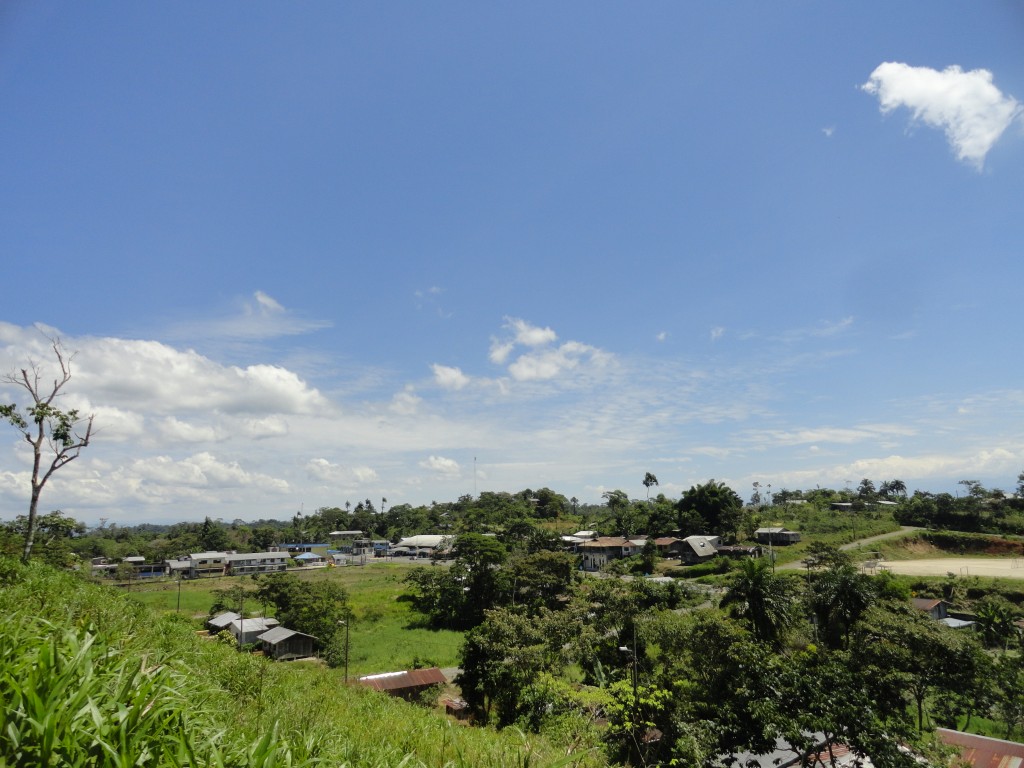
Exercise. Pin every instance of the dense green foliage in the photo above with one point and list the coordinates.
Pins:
(825, 650)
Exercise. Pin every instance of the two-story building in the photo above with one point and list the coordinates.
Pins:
(257, 562)
(602, 550)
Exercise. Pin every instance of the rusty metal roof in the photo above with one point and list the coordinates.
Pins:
(395, 681)
(983, 751)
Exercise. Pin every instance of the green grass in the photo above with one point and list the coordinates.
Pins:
(157, 694)
(384, 636)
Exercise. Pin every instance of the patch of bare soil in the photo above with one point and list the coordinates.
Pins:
(919, 547)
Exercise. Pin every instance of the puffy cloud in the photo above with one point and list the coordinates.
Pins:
(550, 363)
(112, 424)
(529, 335)
(967, 106)
(202, 470)
(500, 350)
(151, 376)
(441, 465)
(449, 377)
(175, 430)
(541, 361)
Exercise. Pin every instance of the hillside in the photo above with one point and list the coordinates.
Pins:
(90, 677)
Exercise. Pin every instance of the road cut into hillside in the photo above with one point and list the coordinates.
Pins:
(991, 567)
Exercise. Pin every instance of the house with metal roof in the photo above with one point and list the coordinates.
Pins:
(935, 608)
(423, 545)
(407, 685)
(283, 644)
(776, 536)
(221, 621)
(698, 549)
(247, 631)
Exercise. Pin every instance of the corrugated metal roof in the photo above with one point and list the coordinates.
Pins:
(253, 624)
(278, 634)
(394, 681)
(222, 619)
(982, 751)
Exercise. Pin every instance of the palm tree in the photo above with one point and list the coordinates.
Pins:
(761, 598)
(839, 597)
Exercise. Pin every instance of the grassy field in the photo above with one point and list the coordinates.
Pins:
(385, 635)
(96, 678)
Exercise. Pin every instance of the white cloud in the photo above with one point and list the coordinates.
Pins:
(261, 317)
(328, 472)
(551, 363)
(500, 350)
(202, 470)
(270, 426)
(405, 403)
(441, 465)
(267, 304)
(717, 333)
(829, 131)
(661, 336)
(967, 106)
(174, 430)
(836, 435)
(448, 377)
(114, 424)
(522, 334)
(530, 335)
(542, 361)
(150, 376)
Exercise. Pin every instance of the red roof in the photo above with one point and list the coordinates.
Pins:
(396, 681)
(982, 751)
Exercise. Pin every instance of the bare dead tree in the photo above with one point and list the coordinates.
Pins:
(56, 436)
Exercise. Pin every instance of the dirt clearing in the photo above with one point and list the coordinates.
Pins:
(992, 567)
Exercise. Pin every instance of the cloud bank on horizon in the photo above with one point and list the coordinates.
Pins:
(179, 435)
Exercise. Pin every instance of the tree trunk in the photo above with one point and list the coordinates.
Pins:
(33, 514)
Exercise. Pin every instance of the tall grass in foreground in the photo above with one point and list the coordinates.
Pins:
(89, 677)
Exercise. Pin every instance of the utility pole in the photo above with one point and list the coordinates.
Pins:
(345, 622)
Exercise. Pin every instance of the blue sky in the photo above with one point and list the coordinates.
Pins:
(326, 252)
